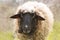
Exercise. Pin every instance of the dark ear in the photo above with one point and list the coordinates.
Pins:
(15, 16)
(40, 18)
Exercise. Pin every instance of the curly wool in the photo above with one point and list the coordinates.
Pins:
(43, 27)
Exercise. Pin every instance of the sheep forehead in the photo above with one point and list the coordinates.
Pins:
(29, 6)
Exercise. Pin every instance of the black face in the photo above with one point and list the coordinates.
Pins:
(28, 22)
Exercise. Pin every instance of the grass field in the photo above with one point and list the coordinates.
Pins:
(55, 35)
(6, 36)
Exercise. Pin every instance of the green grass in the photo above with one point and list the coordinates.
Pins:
(55, 35)
(6, 36)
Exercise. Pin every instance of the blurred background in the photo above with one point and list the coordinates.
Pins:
(8, 8)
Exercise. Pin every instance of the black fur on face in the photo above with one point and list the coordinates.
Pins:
(28, 22)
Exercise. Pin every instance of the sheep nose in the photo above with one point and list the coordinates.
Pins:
(26, 29)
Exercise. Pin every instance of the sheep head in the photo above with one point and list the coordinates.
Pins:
(28, 21)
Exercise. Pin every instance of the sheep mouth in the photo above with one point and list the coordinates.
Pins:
(27, 31)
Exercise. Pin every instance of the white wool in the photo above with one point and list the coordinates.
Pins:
(42, 10)
(32, 6)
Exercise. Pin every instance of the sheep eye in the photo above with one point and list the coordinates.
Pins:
(33, 15)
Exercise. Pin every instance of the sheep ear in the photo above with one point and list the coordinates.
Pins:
(15, 16)
(40, 18)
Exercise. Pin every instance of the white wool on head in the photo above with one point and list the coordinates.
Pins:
(28, 7)
(31, 6)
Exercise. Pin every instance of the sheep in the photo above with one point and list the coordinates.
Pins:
(37, 30)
